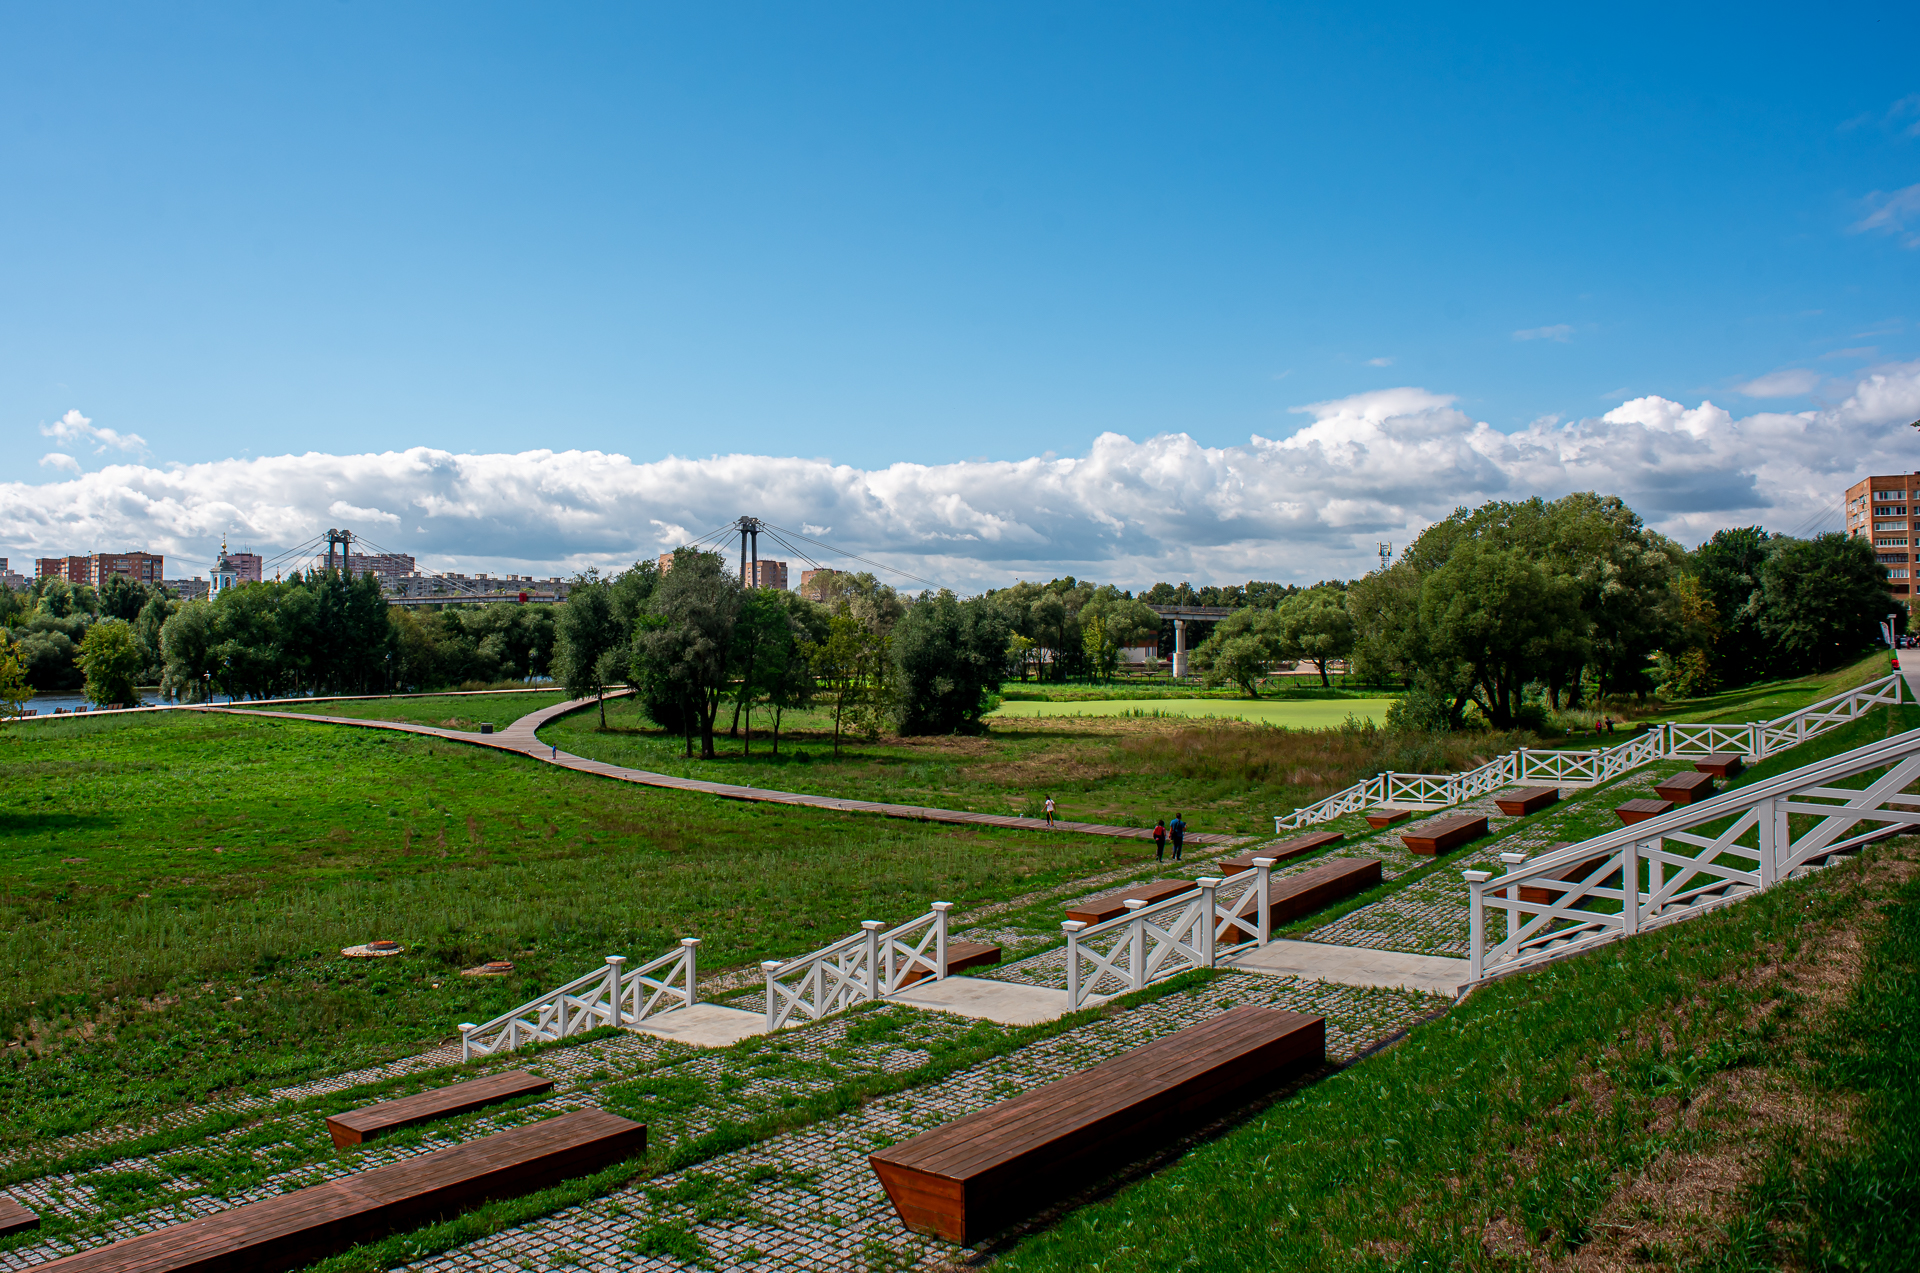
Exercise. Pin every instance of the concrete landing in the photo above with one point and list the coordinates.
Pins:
(1007, 1002)
(1355, 966)
(705, 1025)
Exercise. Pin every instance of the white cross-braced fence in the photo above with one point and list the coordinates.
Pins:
(872, 963)
(605, 996)
(1754, 742)
(1154, 941)
(1689, 860)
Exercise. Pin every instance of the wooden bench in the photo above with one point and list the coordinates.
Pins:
(297, 1228)
(1381, 819)
(357, 1126)
(1578, 871)
(1685, 788)
(978, 1174)
(1100, 910)
(1518, 804)
(1640, 810)
(1303, 894)
(1284, 851)
(1724, 765)
(15, 1218)
(960, 955)
(1446, 834)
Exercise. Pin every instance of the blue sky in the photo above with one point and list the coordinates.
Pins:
(883, 234)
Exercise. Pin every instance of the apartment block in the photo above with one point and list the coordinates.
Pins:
(1882, 508)
(768, 574)
(96, 568)
(246, 567)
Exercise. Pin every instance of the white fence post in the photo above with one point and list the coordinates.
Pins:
(614, 965)
(1476, 922)
(1072, 929)
(1136, 946)
(1630, 888)
(1770, 838)
(1209, 886)
(466, 1040)
(1265, 901)
(940, 910)
(872, 928)
(767, 966)
(692, 946)
(1513, 861)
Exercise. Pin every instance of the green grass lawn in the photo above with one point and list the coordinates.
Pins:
(175, 889)
(1285, 711)
(448, 711)
(1699, 1097)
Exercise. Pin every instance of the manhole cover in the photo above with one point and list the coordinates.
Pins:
(499, 965)
(383, 945)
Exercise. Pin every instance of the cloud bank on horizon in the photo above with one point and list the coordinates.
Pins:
(1370, 467)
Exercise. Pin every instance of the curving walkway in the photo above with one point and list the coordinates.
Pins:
(522, 738)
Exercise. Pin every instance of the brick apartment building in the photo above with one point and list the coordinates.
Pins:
(1883, 508)
(759, 574)
(96, 568)
(246, 567)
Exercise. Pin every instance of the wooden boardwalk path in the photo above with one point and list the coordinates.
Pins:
(521, 738)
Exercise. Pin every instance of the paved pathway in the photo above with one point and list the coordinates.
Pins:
(522, 738)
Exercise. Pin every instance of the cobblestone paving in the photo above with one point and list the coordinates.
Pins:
(809, 1200)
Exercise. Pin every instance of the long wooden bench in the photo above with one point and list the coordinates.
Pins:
(15, 1218)
(978, 1174)
(1685, 788)
(1114, 905)
(1444, 835)
(1721, 765)
(1284, 851)
(309, 1224)
(960, 955)
(1578, 871)
(1381, 819)
(1303, 894)
(1640, 810)
(357, 1126)
(1518, 804)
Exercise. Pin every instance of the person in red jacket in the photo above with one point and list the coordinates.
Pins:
(1160, 840)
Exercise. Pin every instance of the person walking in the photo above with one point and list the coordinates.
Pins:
(1178, 830)
(1049, 810)
(1160, 840)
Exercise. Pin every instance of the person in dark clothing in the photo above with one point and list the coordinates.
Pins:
(1160, 840)
(1178, 830)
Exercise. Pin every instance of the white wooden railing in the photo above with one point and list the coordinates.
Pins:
(605, 996)
(1756, 741)
(872, 963)
(1159, 940)
(1688, 860)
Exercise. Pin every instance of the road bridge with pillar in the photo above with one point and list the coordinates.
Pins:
(1181, 616)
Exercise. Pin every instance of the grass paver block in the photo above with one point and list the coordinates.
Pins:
(978, 1174)
(1445, 834)
(1518, 804)
(309, 1224)
(358, 1126)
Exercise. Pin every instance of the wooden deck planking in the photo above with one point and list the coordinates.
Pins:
(1446, 834)
(15, 1218)
(961, 955)
(1685, 788)
(975, 1175)
(1381, 819)
(358, 1126)
(1296, 895)
(309, 1224)
(1640, 810)
(1284, 851)
(1114, 905)
(1518, 804)
(1721, 765)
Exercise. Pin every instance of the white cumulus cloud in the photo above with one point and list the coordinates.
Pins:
(74, 427)
(1790, 383)
(1300, 507)
(60, 460)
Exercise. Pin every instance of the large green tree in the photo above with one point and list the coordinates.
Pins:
(112, 660)
(588, 641)
(1240, 650)
(1823, 600)
(1728, 566)
(688, 640)
(950, 657)
(1315, 625)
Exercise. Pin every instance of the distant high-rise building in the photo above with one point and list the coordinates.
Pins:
(767, 574)
(246, 566)
(96, 568)
(1883, 509)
